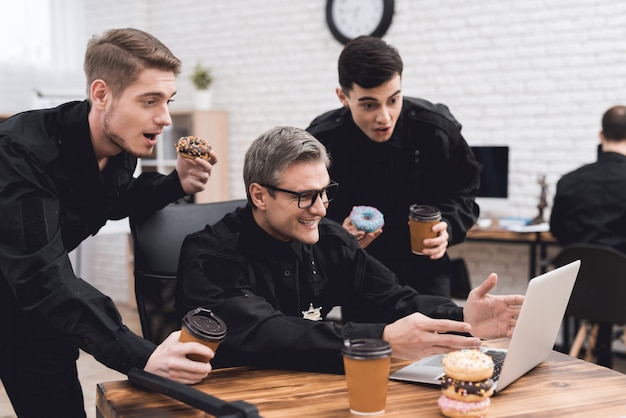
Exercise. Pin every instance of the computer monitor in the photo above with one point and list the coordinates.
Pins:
(494, 179)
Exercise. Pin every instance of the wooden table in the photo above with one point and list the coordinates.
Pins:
(562, 386)
(534, 240)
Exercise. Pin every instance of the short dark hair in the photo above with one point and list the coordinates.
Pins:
(368, 62)
(119, 56)
(614, 124)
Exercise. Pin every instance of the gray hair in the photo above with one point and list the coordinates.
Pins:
(277, 149)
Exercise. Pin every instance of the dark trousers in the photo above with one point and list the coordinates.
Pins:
(37, 364)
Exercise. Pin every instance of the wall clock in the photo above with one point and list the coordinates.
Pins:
(348, 19)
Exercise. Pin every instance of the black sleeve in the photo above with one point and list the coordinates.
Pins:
(147, 193)
(36, 266)
(459, 185)
(558, 227)
(258, 333)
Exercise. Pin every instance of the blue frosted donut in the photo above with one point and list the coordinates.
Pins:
(367, 218)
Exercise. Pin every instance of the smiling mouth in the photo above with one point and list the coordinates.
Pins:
(307, 222)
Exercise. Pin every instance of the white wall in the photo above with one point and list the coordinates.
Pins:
(533, 74)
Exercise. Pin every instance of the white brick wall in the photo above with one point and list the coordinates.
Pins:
(533, 74)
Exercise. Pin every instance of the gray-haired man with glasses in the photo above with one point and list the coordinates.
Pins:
(274, 269)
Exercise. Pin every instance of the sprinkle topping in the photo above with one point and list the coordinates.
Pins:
(193, 146)
(471, 365)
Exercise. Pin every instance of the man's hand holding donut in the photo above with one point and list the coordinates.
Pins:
(364, 238)
(193, 174)
(194, 164)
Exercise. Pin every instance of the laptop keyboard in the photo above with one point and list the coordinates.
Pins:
(498, 359)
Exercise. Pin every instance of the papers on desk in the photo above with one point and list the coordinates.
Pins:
(522, 225)
(542, 227)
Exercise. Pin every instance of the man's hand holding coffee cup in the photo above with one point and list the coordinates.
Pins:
(436, 247)
(170, 360)
(429, 234)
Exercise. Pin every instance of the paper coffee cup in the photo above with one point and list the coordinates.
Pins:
(202, 326)
(422, 218)
(366, 362)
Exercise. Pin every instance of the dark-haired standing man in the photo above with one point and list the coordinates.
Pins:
(390, 151)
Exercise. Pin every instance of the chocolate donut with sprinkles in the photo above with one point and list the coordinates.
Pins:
(192, 147)
(367, 218)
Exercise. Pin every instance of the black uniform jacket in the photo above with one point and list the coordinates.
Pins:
(590, 204)
(261, 288)
(426, 161)
(52, 197)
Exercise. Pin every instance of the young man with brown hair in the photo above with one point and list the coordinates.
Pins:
(63, 173)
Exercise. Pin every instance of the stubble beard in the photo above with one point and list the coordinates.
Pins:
(120, 142)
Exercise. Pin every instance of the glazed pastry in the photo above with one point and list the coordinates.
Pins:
(367, 218)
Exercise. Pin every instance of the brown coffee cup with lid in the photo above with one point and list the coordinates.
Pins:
(422, 218)
(367, 362)
(203, 326)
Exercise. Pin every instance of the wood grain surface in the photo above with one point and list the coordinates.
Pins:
(560, 387)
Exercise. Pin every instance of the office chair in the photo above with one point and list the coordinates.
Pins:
(599, 293)
(157, 239)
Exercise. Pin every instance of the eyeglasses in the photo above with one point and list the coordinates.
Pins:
(307, 198)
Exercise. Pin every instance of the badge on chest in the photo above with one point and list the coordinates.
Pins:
(312, 314)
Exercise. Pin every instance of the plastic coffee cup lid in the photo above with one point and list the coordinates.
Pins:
(204, 324)
(366, 348)
(424, 212)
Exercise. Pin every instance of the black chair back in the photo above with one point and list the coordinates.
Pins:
(600, 290)
(157, 239)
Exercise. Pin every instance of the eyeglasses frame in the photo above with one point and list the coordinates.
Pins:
(318, 193)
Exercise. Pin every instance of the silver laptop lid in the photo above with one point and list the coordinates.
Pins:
(533, 338)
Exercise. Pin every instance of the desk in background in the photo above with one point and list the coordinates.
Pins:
(535, 240)
(561, 386)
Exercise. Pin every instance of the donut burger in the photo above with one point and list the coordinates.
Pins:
(467, 384)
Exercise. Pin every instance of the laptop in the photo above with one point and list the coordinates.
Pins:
(533, 338)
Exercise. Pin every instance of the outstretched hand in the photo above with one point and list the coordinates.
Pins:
(170, 360)
(491, 316)
(416, 336)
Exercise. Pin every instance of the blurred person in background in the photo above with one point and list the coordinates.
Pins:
(590, 204)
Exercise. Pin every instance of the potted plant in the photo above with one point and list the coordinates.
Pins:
(202, 80)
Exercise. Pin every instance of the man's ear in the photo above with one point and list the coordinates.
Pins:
(342, 96)
(258, 194)
(99, 92)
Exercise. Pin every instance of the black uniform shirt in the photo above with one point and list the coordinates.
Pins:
(261, 286)
(426, 161)
(52, 197)
(590, 204)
